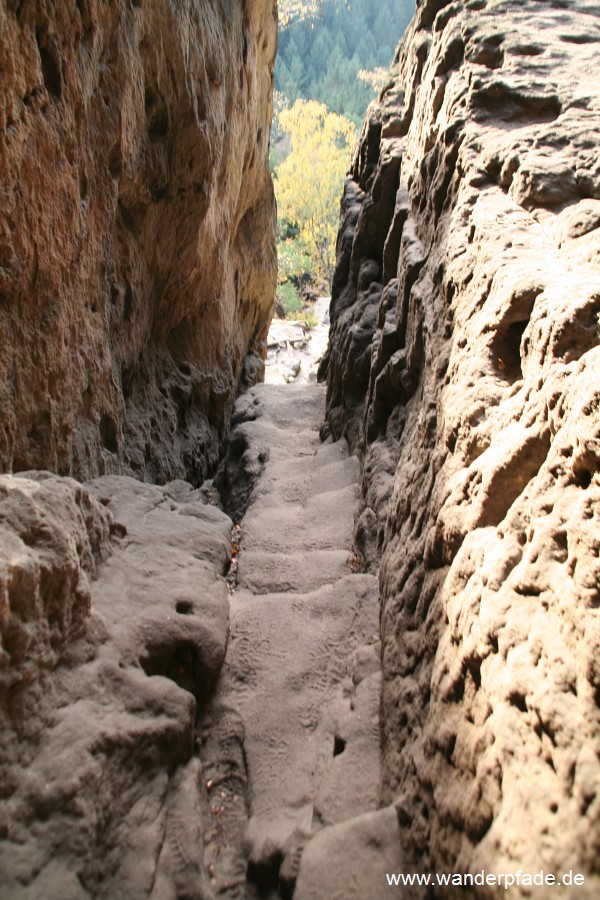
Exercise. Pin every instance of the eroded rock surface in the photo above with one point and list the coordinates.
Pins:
(102, 788)
(464, 365)
(137, 757)
(137, 250)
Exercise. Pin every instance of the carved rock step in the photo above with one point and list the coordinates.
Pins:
(302, 666)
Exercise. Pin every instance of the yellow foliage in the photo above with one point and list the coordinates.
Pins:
(376, 78)
(292, 10)
(309, 181)
(296, 10)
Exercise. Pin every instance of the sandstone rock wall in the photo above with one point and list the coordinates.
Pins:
(137, 256)
(464, 364)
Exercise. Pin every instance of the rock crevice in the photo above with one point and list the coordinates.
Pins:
(173, 725)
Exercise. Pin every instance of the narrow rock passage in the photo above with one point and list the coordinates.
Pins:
(291, 738)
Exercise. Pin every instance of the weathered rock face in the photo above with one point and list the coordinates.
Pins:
(53, 535)
(464, 363)
(114, 617)
(137, 255)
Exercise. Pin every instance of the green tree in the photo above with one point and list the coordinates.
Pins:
(309, 181)
(324, 43)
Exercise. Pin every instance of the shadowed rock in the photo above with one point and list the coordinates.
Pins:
(137, 247)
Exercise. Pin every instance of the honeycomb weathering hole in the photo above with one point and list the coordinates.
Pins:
(177, 662)
(339, 745)
(506, 349)
(184, 607)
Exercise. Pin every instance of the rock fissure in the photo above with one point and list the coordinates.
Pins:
(383, 655)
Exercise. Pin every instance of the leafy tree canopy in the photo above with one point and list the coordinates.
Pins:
(309, 179)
